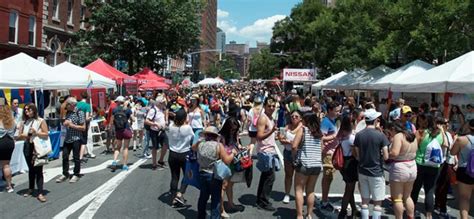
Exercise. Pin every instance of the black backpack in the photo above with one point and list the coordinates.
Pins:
(120, 119)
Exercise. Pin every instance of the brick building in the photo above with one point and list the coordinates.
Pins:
(21, 24)
(62, 19)
(208, 35)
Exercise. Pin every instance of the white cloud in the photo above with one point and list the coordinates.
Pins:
(222, 13)
(261, 29)
(227, 27)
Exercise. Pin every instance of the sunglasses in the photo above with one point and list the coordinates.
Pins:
(408, 115)
(295, 117)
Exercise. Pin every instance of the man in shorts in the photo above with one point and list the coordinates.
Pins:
(371, 149)
(121, 121)
(156, 119)
(329, 131)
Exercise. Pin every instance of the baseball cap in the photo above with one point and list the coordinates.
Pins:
(258, 99)
(406, 109)
(371, 115)
(160, 99)
(120, 99)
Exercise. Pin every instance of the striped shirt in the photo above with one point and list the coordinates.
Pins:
(310, 153)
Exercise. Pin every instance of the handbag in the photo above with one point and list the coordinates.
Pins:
(221, 170)
(42, 146)
(40, 161)
(338, 158)
(191, 171)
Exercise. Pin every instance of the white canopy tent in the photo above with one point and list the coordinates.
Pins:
(23, 71)
(319, 85)
(70, 76)
(455, 76)
(373, 75)
(403, 73)
(349, 81)
(210, 81)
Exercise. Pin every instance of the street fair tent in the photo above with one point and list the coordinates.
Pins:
(349, 81)
(146, 75)
(101, 67)
(400, 74)
(210, 81)
(70, 76)
(154, 85)
(455, 76)
(373, 75)
(23, 71)
(322, 83)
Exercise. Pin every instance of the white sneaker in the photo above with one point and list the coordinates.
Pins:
(304, 193)
(286, 199)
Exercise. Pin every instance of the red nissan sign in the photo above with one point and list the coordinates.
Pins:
(297, 74)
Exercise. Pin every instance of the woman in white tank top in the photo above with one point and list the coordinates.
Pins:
(286, 137)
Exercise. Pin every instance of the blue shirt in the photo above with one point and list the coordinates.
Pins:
(328, 126)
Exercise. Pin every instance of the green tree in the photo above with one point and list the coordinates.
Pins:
(141, 32)
(265, 65)
(225, 68)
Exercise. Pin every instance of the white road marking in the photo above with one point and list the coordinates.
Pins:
(52, 173)
(98, 196)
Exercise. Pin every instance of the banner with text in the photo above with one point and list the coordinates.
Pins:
(298, 74)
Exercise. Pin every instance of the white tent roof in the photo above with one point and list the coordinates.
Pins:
(455, 76)
(22, 71)
(70, 76)
(373, 75)
(349, 81)
(403, 73)
(320, 84)
(210, 81)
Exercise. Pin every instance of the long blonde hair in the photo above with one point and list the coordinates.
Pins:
(6, 116)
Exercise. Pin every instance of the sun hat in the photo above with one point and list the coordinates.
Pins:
(211, 130)
(371, 115)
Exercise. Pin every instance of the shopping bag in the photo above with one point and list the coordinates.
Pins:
(191, 174)
(42, 146)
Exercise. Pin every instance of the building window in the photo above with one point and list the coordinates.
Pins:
(13, 27)
(32, 31)
(56, 9)
(83, 15)
(54, 50)
(69, 11)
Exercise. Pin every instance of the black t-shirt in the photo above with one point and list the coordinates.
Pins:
(370, 143)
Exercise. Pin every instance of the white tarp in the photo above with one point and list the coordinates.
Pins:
(455, 76)
(320, 84)
(210, 81)
(349, 81)
(403, 73)
(70, 76)
(373, 75)
(22, 71)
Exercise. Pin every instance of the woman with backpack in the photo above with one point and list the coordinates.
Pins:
(403, 170)
(306, 151)
(430, 138)
(287, 137)
(464, 149)
(349, 172)
(209, 151)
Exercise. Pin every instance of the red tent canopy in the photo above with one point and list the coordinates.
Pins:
(101, 67)
(147, 75)
(154, 85)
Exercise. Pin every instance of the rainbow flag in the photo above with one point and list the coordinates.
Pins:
(89, 82)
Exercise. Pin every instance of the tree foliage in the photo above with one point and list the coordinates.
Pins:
(367, 33)
(265, 65)
(140, 32)
(225, 68)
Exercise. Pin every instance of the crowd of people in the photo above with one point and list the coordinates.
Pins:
(415, 146)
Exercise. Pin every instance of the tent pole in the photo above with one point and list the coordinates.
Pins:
(36, 99)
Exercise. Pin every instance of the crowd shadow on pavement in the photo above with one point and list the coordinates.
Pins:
(186, 210)
(146, 166)
(248, 199)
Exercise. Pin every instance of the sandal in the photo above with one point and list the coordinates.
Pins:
(28, 193)
(41, 198)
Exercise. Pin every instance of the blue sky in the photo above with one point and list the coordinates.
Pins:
(247, 21)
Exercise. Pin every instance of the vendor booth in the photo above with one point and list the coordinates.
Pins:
(122, 79)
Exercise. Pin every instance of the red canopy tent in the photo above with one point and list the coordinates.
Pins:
(108, 71)
(154, 85)
(147, 75)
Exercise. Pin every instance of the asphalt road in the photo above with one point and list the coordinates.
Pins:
(143, 193)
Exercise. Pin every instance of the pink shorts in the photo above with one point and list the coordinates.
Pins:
(123, 134)
(403, 171)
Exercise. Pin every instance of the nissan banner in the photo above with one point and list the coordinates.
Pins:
(298, 74)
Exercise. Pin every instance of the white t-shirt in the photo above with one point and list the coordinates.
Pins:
(180, 138)
(347, 145)
(159, 116)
